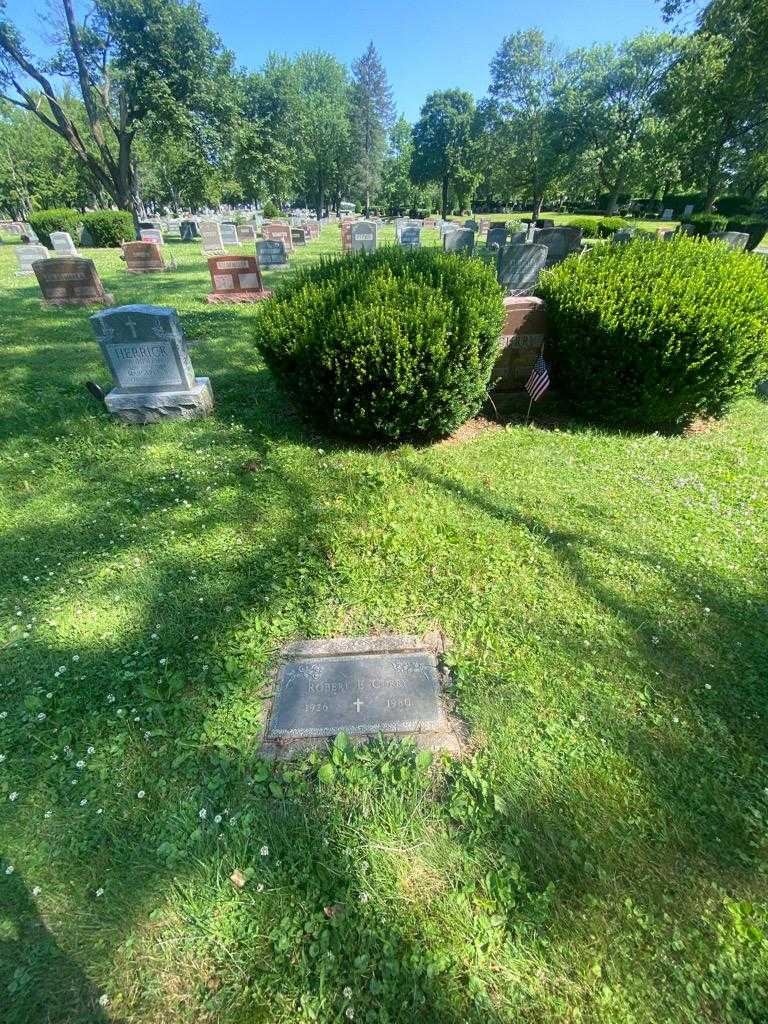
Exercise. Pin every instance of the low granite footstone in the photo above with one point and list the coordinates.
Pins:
(236, 279)
(361, 686)
(143, 257)
(146, 352)
(70, 281)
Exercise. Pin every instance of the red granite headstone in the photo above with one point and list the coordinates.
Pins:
(236, 279)
(143, 257)
(275, 232)
(525, 331)
(70, 281)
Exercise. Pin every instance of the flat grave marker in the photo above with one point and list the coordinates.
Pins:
(361, 686)
(146, 352)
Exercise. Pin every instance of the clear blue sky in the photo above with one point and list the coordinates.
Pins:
(425, 44)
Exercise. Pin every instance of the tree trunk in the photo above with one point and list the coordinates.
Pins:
(713, 180)
(613, 200)
(538, 202)
(445, 199)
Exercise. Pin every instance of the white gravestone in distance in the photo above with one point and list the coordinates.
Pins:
(210, 232)
(26, 256)
(666, 214)
(363, 236)
(63, 244)
(229, 233)
(146, 352)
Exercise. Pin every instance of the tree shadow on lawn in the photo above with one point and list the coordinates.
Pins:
(38, 981)
(708, 805)
(123, 848)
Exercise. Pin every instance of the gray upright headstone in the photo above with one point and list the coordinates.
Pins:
(497, 236)
(688, 211)
(363, 236)
(271, 253)
(210, 232)
(667, 214)
(410, 236)
(561, 242)
(519, 267)
(734, 239)
(151, 235)
(146, 352)
(460, 240)
(229, 233)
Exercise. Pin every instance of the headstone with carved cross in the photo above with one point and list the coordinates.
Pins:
(146, 352)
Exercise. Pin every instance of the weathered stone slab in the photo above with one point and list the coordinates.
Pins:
(70, 281)
(525, 330)
(276, 232)
(519, 266)
(62, 243)
(410, 236)
(362, 686)
(26, 255)
(143, 257)
(459, 240)
(150, 235)
(210, 233)
(229, 233)
(363, 236)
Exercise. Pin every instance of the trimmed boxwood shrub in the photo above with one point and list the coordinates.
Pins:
(109, 228)
(385, 345)
(706, 223)
(608, 225)
(654, 334)
(755, 227)
(270, 211)
(46, 221)
(588, 226)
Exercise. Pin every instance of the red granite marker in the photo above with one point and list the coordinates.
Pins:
(236, 279)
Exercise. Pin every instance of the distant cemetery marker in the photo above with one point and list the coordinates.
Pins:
(70, 281)
(236, 279)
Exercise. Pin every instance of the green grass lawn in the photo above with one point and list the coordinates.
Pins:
(598, 856)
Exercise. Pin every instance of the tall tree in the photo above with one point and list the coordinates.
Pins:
(526, 79)
(131, 60)
(372, 116)
(610, 104)
(323, 130)
(445, 144)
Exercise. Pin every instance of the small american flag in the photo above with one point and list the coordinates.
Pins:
(538, 382)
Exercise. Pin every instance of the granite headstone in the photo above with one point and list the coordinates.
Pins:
(143, 257)
(363, 236)
(26, 255)
(62, 243)
(236, 279)
(459, 240)
(271, 253)
(70, 281)
(519, 266)
(146, 352)
(525, 330)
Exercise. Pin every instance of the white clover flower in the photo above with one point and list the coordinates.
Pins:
(79, 764)
(91, 750)
(83, 802)
(260, 887)
(707, 686)
(3, 714)
(9, 869)
(264, 851)
(104, 1000)
(62, 668)
(49, 695)
(99, 892)
(202, 814)
(110, 698)
(13, 796)
(36, 890)
(2, 758)
(163, 661)
(217, 819)
(349, 1013)
(141, 794)
(75, 657)
(154, 636)
(364, 897)
(41, 716)
(100, 810)
(48, 814)
(347, 993)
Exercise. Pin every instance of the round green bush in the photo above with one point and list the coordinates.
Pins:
(588, 226)
(654, 334)
(705, 223)
(108, 229)
(608, 225)
(385, 345)
(270, 210)
(45, 221)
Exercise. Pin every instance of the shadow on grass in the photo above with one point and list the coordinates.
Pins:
(38, 981)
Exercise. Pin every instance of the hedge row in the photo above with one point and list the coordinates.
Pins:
(101, 229)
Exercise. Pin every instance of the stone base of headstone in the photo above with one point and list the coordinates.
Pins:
(239, 297)
(366, 687)
(139, 407)
(107, 299)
